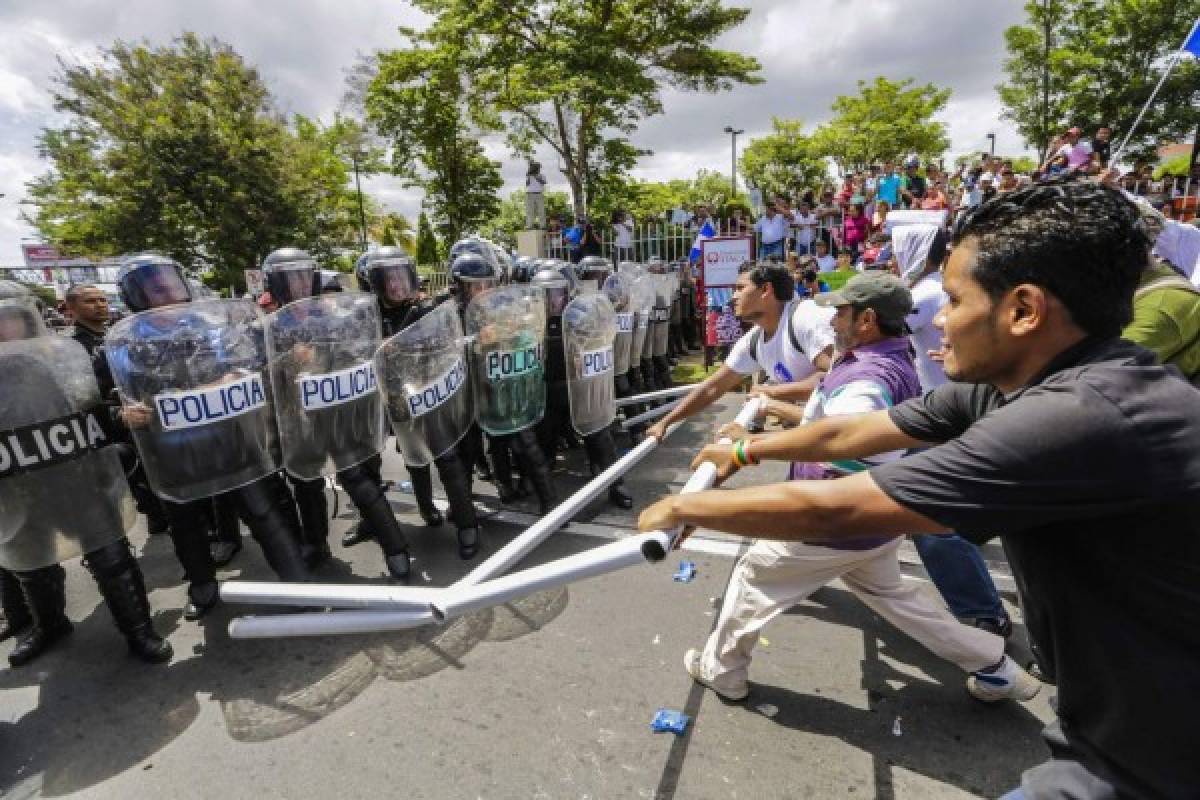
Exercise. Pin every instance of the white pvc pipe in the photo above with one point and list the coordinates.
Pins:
(337, 595)
(703, 478)
(271, 626)
(660, 394)
(507, 557)
(653, 413)
(462, 599)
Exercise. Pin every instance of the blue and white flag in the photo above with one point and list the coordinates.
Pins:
(1192, 45)
(706, 232)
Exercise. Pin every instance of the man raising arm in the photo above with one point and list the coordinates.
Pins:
(792, 340)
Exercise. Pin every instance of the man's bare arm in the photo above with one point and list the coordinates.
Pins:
(846, 508)
(830, 439)
(698, 399)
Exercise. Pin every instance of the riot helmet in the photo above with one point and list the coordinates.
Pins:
(150, 280)
(478, 246)
(594, 271)
(20, 315)
(556, 289)
(523, 269)
(291, 274)
(392, 276)
(472, 274)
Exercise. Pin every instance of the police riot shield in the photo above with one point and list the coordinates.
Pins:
(644, 295)
(62, 487)
(506, 329)
(619, 289)
(327, 399)
(193, 382)
(589, 327)
(662, 313)
(423, 375)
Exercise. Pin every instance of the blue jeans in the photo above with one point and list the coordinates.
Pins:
(1016, 794)
(958, 571)
(773, 249)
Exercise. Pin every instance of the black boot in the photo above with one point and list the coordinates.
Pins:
(265, 504)
(422, 483)
(46, 599)
(502, 471)
(190, 538)
(536, 470)
(314, 520)
(367, 494)
(228, 529)
(124, 590)
(468, 543)
(359, 532)
(602, 454)
(16, 613)
(202, 598)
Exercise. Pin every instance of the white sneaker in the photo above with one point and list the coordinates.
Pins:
(1004, 681)
(691, 662)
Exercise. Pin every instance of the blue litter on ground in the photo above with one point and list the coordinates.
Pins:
(668, 721)
(687, 571)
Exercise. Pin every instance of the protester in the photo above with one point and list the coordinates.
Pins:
(804, 224)
(825, 261)
(772, 229)
(792, 341)
(854, 229)
(1070, 444)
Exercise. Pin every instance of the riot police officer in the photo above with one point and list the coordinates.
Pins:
(599, 445)
(390, 274)
(291, 276)
(43, 529)
(472, 274)
(147, 360)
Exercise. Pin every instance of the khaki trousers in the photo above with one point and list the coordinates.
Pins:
(773, 576)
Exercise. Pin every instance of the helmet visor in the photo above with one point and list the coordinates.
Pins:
(155, 285)
(291, 283)
(473, 288)
(394, 283)
(20, 319)
(557, 298)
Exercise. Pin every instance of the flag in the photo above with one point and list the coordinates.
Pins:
(706, 232)
(1192, 45)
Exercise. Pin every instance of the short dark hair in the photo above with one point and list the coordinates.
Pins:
(75, 290)
(1081, 241)
(890, 328)
(778, 275)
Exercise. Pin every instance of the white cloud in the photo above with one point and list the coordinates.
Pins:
(810, 53)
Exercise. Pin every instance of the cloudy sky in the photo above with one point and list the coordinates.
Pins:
(810, 51)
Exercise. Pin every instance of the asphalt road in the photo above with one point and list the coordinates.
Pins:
(547, 697)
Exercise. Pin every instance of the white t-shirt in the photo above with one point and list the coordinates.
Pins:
(623, 234)
(773, 229)
(928, 297)
(806, 226)
(534, 184)
(1078, 154)
(782, 362)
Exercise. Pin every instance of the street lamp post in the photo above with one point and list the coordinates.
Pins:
(733, 165)
(992, 139)
(362, 215)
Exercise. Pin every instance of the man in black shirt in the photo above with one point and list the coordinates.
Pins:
(89, 307)
(1069, 443)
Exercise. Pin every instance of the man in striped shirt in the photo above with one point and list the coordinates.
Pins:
(874, 371)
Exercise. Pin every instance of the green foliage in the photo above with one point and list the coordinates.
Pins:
(1177, 167)
(579, 75)
(886, 120)
(179, 149)
(427, 243)
(418, 100)
(1104, 59)
(393, 228)
(782, 162)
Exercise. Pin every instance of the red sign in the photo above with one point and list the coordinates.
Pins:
(40, 255)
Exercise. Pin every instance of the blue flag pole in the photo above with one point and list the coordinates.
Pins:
(1191, 44)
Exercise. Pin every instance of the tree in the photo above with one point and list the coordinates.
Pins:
(179, 149)
(417, 99)
(1095, 62)
(392, 228)
(886, 120)
(579, 75)
(782, 162)
(427, 243)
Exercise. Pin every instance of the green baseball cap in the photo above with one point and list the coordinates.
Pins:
(881, 291)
